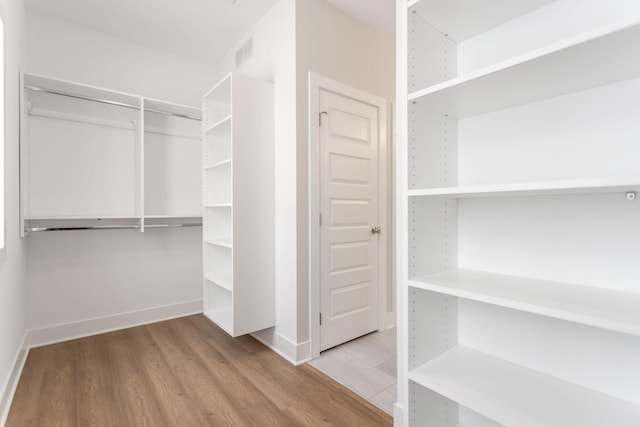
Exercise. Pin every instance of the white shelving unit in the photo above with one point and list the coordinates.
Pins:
(238, 194)
(97, 158)
(517, 219)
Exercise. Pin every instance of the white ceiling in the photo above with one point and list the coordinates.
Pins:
(201, 30)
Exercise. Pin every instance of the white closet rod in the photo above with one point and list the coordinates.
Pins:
(112, 227)
(109, 102)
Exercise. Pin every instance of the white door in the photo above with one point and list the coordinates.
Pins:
(349, 214)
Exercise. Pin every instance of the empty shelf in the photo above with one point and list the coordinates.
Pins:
(515, 396)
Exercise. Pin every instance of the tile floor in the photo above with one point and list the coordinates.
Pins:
(366, 365)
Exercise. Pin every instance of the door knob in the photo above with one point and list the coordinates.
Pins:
(375, 229)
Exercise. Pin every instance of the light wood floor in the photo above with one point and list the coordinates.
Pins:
(182, 372)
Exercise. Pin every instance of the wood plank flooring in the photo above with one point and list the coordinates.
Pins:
(182, 372)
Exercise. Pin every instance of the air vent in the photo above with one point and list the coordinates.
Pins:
(244, 52)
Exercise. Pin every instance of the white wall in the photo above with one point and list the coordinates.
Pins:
(295, 37)
(273, 59)
(333, 44)
(13, 324)
(66, 51)
(83, 282)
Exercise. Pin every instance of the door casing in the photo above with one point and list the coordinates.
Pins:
(385, 318)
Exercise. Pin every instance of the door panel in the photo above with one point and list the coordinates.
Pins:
(349, 208)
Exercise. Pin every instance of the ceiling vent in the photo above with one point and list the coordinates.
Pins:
(244, 52)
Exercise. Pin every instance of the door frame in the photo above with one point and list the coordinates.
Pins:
(316, 84)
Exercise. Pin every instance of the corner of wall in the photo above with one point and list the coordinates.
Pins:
(13, 293)
(11, 384)
(294, 353)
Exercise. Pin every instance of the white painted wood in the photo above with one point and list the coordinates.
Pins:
(173, 182)
(513, 395)
(561, 68)
(463, 19)
(238, 199)
(349, 208)
(9, 387)
(519, 139)
(23, 165)
(401, 158)
(592, 186)
(52, 334)
(317, 84)
(223, 126)
(594, 358)
(79, 89)
(599, 307)
(85, 158)
(140, 161)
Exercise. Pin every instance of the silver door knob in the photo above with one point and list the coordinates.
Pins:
(375, 229)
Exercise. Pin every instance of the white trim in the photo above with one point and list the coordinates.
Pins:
(9, 389)
(23, 147)
(79, 118)
(317, 82)
(398, 415)
(295, 354)
(401, 416)
(99, 325)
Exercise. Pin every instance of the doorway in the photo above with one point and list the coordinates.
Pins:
(349, 229)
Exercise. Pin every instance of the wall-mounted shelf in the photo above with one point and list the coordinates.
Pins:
(90, 154)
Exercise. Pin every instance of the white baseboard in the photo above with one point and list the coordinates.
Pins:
(296, 354)
(9, 389)
(99, 325)
(390, 321)
(398, 415)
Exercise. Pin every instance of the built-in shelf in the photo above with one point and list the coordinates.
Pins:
(537, 188)
(503, 100)
(222, 127)
(222, 317)
(603, 308)
(515, 396)
(238, 226)
(89, 152)
(219, 280)
(81, 217)
(225, 243)
(171, 108)
(218, 164)
(463, 19)
(561, 68)
(195, 215)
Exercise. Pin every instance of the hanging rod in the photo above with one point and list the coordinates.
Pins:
(109, 102)
(112, 227)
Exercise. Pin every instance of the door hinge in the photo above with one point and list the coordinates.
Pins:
(321, 319)
(320, 117)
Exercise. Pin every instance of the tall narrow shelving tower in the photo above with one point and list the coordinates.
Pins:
(238, 199)
(519, 228)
